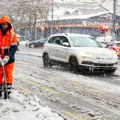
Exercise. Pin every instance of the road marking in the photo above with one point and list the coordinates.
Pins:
(43, 87)
(74, 115)
(23, 89)
(89, 88)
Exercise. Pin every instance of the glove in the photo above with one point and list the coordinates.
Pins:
(6, 59)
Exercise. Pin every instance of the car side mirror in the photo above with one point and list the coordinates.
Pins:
(66, 44)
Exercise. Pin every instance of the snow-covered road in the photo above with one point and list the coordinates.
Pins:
(25, 107)
(74, 97)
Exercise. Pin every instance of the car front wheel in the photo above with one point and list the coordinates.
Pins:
(73, 64)
(46, 61)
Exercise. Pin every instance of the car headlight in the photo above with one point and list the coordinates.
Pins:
(115, 56)
(86, 55)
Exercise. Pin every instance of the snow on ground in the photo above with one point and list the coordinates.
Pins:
(85, 80)
(21, 107)
(30, 51)
(23, 42)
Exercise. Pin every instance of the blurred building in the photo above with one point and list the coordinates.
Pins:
(80, 16)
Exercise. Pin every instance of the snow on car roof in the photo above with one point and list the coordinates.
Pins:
(71, 34)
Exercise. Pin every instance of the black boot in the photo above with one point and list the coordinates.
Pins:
(6, 95)
(0, 90)
(0, 94)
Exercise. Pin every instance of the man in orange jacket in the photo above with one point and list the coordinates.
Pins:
(8, 47)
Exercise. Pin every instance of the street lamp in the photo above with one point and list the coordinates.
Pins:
(114, 20)
(52, 13)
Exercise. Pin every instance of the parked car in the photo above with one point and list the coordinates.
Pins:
(104, 44)
(78, 51)
(36, 43)
(115, 45)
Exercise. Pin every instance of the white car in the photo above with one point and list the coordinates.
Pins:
(78, 51)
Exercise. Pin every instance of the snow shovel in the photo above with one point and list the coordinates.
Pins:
(4, 77)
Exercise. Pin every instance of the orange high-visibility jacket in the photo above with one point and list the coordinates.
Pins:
(8, 42)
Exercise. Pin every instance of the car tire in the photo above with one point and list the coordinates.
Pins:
(46, 61)
(73, 64)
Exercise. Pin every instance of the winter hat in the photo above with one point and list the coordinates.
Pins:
(5, 19)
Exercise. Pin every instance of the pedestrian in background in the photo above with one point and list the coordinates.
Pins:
(8, 48)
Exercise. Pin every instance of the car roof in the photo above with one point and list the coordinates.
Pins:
(71, 34)
(114, 42)
(117, 41)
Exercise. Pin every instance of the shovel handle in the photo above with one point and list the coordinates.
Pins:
(4, 76)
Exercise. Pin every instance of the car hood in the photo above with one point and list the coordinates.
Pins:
(95, 51)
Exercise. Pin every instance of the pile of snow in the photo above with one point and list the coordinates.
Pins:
(29, 51)
(21, 107)
(23, 42)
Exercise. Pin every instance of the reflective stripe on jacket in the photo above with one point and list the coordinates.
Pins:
(8, 42)
(8, 46)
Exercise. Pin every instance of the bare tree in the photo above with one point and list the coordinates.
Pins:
(26, 13)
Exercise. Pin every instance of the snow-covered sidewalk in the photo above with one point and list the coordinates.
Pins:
(30, 51)
(22, 107)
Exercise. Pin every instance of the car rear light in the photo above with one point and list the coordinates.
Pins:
(114, 48)
(42, 46)
(117, 49)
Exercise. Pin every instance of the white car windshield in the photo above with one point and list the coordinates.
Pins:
(78, 41)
